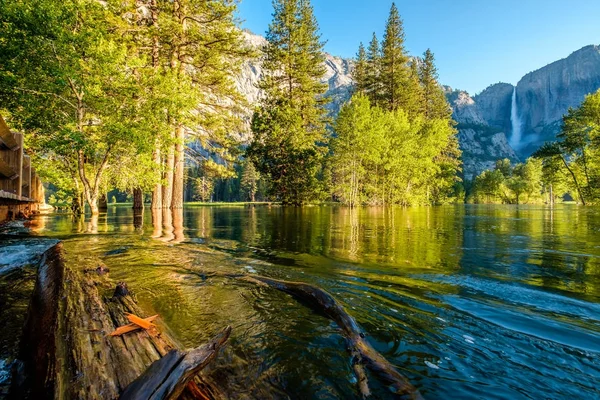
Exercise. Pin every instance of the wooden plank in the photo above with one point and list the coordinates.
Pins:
(14, 159)
(6, 171)
(26, 181)
(6, 136)
(19, 163)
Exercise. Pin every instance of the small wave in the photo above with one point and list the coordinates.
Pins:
(18, 255)
(532, 325)
(520, 294)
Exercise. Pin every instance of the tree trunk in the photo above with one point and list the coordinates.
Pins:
(103, 203)
(167, 193)
(179, 161)
(138, 199)
(157, 192)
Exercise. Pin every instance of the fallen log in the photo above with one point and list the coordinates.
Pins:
(363, 354)
(69, 353)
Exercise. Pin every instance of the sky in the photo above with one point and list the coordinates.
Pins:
(476, 42)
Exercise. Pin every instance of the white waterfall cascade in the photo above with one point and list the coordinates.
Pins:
(515, 137)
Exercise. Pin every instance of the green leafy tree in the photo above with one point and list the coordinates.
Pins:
(578, 150)
(289, 127)
(67, 76)
(358, 146)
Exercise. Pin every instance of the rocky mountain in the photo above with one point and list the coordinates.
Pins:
(484, 120)
(481, 134)
(545, 95)
(337, 76)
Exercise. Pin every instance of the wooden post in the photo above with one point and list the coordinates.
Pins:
(26, 180)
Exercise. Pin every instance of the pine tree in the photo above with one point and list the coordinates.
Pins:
(290, 125)
(360, 71)
(435, 102)
(398, 89)
(373, 74)
(194, 51)
(435, 106)
(249, 181)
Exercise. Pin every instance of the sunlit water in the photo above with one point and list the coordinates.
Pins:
(467, 301)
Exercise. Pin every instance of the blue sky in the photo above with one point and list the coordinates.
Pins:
(476, 42)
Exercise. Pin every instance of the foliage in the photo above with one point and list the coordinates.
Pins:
(249, 181)
(522, 184)
(407, 130)
(98, 85)
(290, 125)
(573, 159)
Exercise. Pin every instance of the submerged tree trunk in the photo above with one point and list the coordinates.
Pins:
(178, 176)
(103, 203)
(138, 199)
(167, 193)
(157, 191)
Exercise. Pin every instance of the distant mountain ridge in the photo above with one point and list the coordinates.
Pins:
(484, 120)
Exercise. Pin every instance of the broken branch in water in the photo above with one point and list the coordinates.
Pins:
(167, 377)
(362, 352)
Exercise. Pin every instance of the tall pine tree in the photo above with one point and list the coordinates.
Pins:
(435, 104)
(360, 70)
(373, 75)
(398, 88)
(289, 127)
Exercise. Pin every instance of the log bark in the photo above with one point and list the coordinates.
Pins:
(68, 351)
(363, 354)
(168, 377)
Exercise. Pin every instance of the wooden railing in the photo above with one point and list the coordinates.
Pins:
(18, 180)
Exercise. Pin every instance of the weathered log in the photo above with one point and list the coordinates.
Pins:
(67, 346)
(168, 377)
(362, 352)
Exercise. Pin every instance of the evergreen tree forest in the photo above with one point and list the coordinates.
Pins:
(137, 100)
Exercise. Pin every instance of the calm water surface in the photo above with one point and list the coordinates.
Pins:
(467, 301)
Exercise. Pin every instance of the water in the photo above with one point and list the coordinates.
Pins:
(467, 301)
(515, 138)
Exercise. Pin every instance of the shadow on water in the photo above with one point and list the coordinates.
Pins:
(467, 301)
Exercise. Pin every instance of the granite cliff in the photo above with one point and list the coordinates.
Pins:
(545, 95)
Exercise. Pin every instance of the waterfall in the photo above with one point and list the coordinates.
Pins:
(515, 138)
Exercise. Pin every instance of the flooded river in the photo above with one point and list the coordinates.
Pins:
(495, 302)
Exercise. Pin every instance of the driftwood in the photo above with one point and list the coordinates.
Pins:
(168, 377)
(363, 354)
(69, 353)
